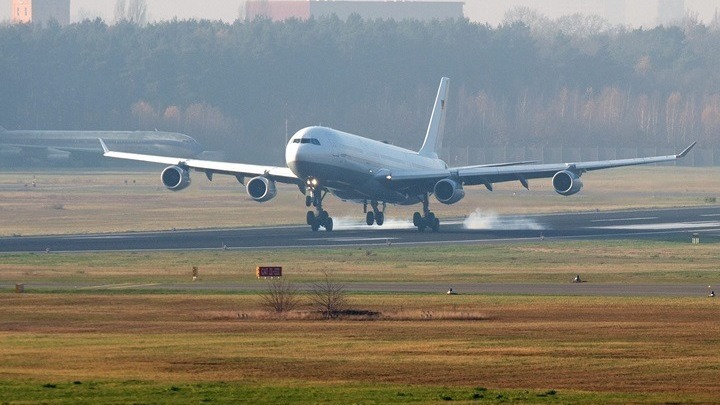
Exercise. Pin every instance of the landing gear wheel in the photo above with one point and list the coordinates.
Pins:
(428, 222)
(417, 219)
(427, 219)
(380, 218)
(319, 217)
(370, 218)
(430, 219)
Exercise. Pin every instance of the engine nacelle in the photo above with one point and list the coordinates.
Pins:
(449, 191)
(175, 178)
(261, 189)
(566, 183)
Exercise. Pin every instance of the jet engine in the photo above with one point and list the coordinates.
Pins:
(175, 178)
(449, 191)
(261, 189)
(566, 183)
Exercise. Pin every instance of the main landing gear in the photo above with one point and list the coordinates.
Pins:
(319, 217)
(427, 219)
(376, 216)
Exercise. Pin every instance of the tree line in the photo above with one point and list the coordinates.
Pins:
(241, 87)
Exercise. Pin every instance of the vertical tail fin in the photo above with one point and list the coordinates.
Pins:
(433, 137)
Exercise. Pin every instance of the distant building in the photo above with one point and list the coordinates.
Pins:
(41, 11)
(396, 10)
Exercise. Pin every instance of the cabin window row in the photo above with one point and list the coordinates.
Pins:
(313, 141)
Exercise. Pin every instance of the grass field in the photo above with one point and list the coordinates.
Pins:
(114, 344)
(178, 348)
(87, 336)
(79, 202)
(552, 262)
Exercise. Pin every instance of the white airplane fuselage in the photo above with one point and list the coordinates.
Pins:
(353, 167)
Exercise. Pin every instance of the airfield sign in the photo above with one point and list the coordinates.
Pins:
(268, 271)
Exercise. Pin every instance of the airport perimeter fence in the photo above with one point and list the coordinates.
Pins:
(698, 157)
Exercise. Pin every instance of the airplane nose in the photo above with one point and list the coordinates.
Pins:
(292, 152)
(307, 149)
(301, 157)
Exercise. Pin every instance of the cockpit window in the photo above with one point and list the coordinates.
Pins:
(313, 141)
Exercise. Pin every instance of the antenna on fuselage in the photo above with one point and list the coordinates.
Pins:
(436, 127)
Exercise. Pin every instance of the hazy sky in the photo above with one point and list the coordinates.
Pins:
(639, 12)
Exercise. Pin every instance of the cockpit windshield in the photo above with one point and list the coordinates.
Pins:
(313, 141)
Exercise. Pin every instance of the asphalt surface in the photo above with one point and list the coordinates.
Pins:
(663, 224)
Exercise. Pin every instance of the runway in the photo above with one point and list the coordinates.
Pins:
(477, 228)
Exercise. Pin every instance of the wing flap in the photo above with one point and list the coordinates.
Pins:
(420, 174)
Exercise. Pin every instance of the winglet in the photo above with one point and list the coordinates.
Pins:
(686, 151)
(105, 148)
(2, 128)
(433, 137)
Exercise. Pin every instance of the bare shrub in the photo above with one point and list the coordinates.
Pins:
(328, 296)
(280, 296)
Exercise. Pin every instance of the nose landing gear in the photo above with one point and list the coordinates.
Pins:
(319, 217)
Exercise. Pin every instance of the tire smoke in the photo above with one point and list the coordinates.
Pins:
(480, 220)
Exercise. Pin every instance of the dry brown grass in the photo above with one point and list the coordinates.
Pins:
(80, 202)
(587, 344)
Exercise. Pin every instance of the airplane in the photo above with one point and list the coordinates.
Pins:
(82, 146)
(323, 160)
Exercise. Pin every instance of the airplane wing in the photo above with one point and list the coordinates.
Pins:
(519, 171)
(210, 167)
